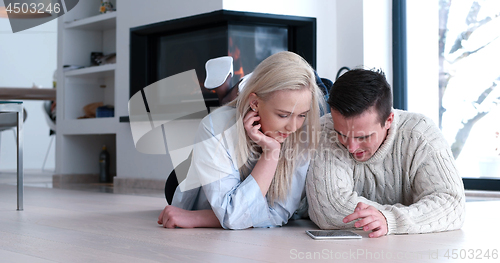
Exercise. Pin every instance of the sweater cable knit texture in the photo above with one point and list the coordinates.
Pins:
(412, 179)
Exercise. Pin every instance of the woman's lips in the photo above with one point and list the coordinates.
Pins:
(283, 135)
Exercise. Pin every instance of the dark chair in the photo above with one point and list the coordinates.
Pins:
(172, 182)
(51, 121)
(324, 85)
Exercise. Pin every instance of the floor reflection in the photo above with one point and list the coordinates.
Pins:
(43, 179)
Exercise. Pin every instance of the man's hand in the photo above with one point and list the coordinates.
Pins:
(370, 219)
(172, 217)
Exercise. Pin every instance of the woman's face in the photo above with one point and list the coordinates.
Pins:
(283, 113)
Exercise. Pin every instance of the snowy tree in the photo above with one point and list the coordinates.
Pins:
(469, 44)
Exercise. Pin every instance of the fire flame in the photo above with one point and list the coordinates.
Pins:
(234, 52)
(239, 72)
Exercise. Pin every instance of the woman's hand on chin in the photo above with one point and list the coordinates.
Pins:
(252, 127)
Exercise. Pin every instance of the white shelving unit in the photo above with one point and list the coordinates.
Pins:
(83, 31)
(101, 22)
(93, 72)
(89, 126)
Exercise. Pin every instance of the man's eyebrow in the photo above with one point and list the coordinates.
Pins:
(339, 133)
(357, 137)
(288, 112)
(361, 137)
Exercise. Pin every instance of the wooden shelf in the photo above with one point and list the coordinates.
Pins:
(96, 71)
(99, 22)
(27, 94)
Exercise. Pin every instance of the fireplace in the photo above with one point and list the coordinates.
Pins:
(167, 48)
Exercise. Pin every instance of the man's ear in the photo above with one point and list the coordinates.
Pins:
(253, 101)
(389, 120)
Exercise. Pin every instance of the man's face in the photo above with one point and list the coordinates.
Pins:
(362, 135)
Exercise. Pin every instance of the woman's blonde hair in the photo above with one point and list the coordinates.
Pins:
(281, 71)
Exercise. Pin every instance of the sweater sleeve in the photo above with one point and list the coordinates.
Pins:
(330, 190)
(438, 197)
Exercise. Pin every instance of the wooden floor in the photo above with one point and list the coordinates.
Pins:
(59, 225)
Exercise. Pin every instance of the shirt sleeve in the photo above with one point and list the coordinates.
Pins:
(237, 204)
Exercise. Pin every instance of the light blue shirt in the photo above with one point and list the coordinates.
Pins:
(213, 180)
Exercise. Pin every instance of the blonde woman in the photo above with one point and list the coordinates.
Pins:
(250, 158)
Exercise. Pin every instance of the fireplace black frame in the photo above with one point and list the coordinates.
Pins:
(301, 38)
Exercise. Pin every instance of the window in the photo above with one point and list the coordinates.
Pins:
(469, 72)
(463, 74)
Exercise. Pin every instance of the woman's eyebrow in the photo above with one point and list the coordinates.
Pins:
(289, 112)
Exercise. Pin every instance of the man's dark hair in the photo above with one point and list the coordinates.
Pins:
(359, 89)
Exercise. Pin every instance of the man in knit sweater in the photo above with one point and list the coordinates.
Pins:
(383, 170)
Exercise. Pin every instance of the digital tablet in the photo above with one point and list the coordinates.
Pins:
(332, 234)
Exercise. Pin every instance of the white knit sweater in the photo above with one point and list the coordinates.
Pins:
(412, 179)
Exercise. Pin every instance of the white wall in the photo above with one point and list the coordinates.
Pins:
(28, 57)
(423, 61)
(364, 34)
(349, 37)
(377, 36)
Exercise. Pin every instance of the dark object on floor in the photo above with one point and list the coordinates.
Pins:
(104, 175)
(172, 183)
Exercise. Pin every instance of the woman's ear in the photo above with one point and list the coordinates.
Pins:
(253, 101)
